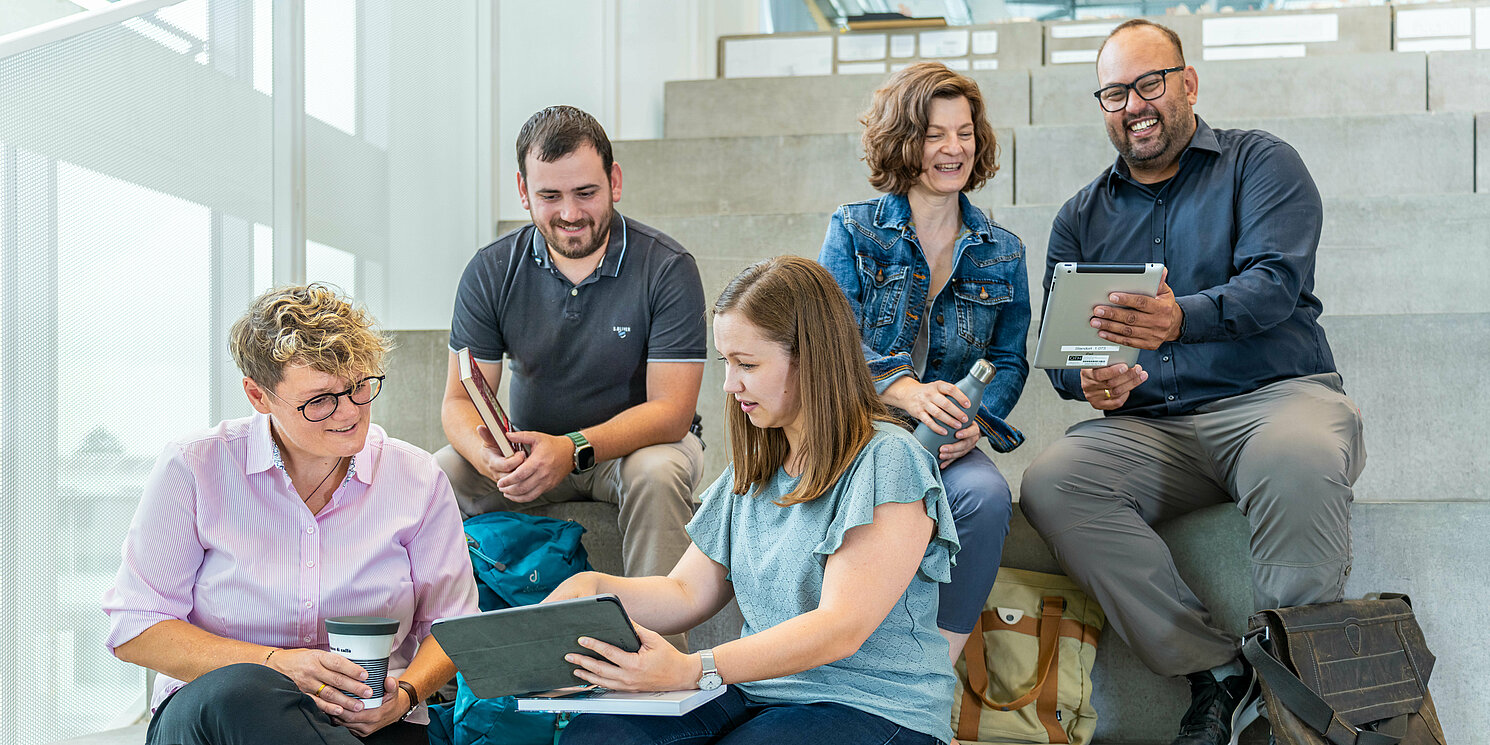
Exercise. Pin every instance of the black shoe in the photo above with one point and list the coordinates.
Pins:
(1215, 707)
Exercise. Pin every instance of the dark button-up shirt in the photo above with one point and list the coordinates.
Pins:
(1237, 226)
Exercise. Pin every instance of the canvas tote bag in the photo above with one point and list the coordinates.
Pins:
(1026, 673)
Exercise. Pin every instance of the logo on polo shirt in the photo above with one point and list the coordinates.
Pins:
(621, 331)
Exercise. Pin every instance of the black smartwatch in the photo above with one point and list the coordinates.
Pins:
(584, 453)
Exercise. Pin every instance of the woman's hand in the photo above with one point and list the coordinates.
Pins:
(323, 676)
(657, 666)
(367, 721)
(967, 439)
(930, 403)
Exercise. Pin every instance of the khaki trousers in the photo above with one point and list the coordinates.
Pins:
(653, 487)
(1286, 454)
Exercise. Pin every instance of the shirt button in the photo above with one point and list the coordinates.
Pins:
(573, 291)
(311, 529)
(308, 604)
(1171, 398)
(310, 564)
(1161, 201)
(1166, 358)
(938, 318)
(1157, 239)
(307, 638)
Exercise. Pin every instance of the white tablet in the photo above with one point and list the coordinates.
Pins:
(1067, 339)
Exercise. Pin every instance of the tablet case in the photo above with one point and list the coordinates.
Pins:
(1067, 339)
(521, 650)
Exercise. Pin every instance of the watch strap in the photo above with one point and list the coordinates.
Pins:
(408, 688)
(706, 657)
(581, 443)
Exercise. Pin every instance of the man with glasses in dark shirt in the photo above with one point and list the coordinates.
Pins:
(1235, 397)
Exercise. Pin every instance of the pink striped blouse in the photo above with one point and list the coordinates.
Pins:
(222, 541)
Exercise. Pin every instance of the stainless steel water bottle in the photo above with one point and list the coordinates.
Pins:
(972, 387)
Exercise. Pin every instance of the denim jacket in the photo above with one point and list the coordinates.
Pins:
(984, 310)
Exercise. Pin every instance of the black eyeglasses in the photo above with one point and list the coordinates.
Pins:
(1148, 86)
(320, 408)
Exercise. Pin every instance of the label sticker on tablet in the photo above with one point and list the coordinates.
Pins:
(1089, 348)
(1086, 360)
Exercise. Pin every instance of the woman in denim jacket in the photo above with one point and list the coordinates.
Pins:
(935, 286)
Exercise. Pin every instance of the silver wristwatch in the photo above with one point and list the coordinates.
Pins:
(710, 679)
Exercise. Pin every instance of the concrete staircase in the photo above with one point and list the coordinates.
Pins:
(1399, 144)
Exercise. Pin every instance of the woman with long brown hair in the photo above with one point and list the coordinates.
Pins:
(829, 528)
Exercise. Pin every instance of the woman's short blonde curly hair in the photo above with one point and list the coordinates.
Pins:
(895, 127)
(312, 325)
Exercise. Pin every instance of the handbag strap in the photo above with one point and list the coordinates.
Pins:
(1304, 703)
(1051, 609)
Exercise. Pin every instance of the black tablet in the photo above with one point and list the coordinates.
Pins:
(521, 650)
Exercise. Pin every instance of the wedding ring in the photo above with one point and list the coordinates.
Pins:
(318, 690)
(1107, 392)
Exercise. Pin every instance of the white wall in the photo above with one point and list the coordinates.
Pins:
(608, 57)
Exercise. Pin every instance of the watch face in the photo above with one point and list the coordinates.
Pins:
(709, 682)
(584, 458)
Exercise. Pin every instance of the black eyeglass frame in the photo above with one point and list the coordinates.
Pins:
(336, 398)
(1132, 88)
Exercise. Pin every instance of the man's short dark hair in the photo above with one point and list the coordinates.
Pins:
(1174, 38)
(558, 131)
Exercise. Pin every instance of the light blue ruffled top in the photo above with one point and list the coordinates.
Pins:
(775, 557)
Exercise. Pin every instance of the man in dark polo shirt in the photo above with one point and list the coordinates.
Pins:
(602, 321)
(1235, 398)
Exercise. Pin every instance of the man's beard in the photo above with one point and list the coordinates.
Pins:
(1157, 152)
(564, 246)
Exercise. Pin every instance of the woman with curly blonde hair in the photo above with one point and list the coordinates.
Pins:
(935, 286)
(250, 535)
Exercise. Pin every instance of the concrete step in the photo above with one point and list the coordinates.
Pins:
(1361, 155)
(826, 104)
(756, 175)
(1375, 83)
(1459, 81)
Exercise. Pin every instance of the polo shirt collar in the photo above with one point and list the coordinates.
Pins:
(894, 213)
(1203, 139)
(615, 248)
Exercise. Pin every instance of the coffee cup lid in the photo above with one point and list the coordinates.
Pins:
(361, 625)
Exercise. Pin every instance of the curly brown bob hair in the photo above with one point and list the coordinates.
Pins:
(895, 127)
(311, 325)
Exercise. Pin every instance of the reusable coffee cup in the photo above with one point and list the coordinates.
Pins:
(367, 641)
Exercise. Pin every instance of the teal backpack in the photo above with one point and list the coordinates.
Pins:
(518, 559)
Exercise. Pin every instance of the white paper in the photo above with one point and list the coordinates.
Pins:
(1297, 28)
(1082, 30)
(859, 47)
(1482, 28)
(860, 68)
(1256, 51)
(778, 57)
(986, 42)
(1429, 22)
(903, 45)
(1434, 45)
(950, 43)
(1068, 56)
(985, 64)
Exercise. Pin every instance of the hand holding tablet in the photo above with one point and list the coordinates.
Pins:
(1083, 327)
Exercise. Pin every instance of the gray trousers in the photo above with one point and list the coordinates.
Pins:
(653, 487)
(1286, 454)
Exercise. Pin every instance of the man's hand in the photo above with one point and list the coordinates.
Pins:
(492, 465)
(967, 439)
(657, 666)
(1145, 322)
(550, 458)
(1107, 388)
(930, 403)
(367, 721)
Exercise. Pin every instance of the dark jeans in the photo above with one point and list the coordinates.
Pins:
(732, 719)
(250, 704)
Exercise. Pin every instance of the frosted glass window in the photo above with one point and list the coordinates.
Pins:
(332, 265)
(331, 62)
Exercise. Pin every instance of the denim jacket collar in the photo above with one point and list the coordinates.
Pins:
(894, 213)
